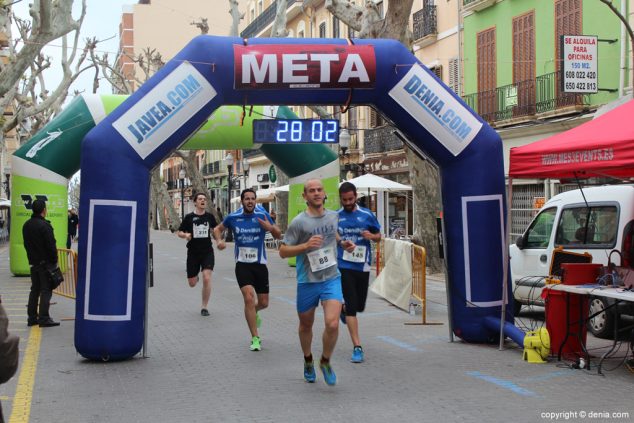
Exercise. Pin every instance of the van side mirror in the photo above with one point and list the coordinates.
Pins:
(519, 242)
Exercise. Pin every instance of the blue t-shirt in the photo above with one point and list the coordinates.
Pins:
(351, 224)
(248, 234)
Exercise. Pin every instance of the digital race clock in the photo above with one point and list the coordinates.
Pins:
(289, 131)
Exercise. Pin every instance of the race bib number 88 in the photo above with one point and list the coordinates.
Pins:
(322, 259)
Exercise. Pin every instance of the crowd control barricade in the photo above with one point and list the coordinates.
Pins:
(419, 282)
(67, 261)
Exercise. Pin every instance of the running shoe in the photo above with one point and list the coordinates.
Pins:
(329, 374)
(255, 344)
(258, 320)
(309, 372)
(204, 312)
(357, 355)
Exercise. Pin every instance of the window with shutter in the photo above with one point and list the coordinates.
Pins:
(437, 70)
(522, 97)
(487, 73)
(335, 27)
(454, 75)
(567, 22)
(322, 30)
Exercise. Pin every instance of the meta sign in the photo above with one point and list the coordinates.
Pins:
(304, 66)
(579, 57)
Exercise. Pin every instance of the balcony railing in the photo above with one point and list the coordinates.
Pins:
(263, 20)
(381, 140)
(523, 99)
(425, 22)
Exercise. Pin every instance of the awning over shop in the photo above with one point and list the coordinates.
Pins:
(264, 195)
(600, 147)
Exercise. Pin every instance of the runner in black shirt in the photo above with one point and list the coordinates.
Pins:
(197, 228)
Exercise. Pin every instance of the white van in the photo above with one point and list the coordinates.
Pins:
(596, 220)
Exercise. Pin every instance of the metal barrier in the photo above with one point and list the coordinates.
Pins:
(67, 261)
(419, 282)
(419, 277)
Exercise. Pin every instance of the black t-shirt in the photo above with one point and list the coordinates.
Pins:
(200, 226)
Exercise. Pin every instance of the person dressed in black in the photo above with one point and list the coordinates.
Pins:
(73, 221)
(197, 228)
(39, 242)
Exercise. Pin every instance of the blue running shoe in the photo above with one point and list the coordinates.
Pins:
(309, 372)
(357, 355)
(329, 374)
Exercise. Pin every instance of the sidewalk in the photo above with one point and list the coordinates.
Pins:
(201, 370)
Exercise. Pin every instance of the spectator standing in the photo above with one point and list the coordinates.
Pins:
(39, 242)
(73, 223)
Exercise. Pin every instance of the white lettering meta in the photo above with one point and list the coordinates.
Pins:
(324, 64)
(250, 64)
(295, 68)
(354, 68)
(290, 67)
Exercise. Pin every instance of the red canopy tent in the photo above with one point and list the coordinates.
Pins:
(601, 147)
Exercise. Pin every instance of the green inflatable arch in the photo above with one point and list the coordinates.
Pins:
(42, 167)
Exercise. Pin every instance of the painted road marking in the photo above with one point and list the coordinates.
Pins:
(398, 343)
(21, 410)
(503, 384)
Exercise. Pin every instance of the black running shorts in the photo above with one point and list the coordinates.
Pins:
(254, 274)
(199, 261)
(354, 285)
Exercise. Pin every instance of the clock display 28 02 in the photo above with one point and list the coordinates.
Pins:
(295, 131)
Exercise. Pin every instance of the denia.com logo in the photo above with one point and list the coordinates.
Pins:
(424, 96)
(433, 106)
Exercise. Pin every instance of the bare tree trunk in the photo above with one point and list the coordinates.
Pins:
(236, 17)
(423, 176)
(160, 199)
(281, 201)
(425, 183)
(195, 177)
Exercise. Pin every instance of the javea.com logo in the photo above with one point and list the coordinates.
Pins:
(427, 101)
(170, 104)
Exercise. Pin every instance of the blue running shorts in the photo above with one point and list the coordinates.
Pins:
(309, 294)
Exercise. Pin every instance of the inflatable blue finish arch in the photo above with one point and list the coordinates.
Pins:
(118, 154)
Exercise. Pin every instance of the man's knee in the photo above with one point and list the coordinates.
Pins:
(332, 325)
(263, 301)
(192, 281)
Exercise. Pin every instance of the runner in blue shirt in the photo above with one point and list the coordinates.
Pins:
(249, 225)
(360, 226)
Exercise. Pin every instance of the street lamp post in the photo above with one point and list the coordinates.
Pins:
(181, 177)
(245, 170)
(229, 163)
(344, 145)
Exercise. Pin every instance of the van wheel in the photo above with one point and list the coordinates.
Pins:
(601, 325)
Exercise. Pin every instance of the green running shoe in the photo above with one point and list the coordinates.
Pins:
(255, 344)
(329, 374)
(309, 372)
(258, 320)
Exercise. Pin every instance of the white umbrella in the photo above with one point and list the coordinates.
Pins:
(373, 182)
(283, 188)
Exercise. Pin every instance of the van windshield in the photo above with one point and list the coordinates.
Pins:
(588, 227)
(538, 234)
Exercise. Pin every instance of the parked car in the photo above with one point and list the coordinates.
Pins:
(595, 220)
